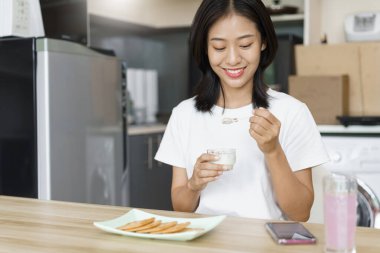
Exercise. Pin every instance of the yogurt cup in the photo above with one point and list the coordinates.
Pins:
(227, 156)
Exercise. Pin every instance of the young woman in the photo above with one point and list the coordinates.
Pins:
(275, 137)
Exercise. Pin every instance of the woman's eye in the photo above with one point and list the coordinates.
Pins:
(219, 48)
(246, 46)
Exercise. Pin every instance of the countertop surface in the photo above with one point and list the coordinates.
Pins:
(323, 129)
(355, 129)
(146, 129)
(30, 225)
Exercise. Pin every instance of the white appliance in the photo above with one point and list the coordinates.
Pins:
(363, 26)
(359, 156)
(81, 131)
(21, 18)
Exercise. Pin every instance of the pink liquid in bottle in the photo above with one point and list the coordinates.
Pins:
(340, 221)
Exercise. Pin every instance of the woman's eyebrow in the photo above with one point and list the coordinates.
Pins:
(217, 39)
(239, 38)
(246, 36)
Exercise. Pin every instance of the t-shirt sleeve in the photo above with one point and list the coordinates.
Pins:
(172, 146)
(303, 144)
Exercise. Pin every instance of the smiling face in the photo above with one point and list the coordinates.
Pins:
(234, 47)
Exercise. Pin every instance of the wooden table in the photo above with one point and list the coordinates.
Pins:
(29, 225)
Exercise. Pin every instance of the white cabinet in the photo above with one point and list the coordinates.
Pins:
(169, 13)
(151, 13)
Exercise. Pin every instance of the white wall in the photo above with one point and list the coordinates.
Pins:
(154, 13)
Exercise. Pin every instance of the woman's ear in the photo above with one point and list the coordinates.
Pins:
(263, 46)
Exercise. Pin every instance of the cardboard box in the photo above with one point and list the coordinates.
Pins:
(360, 61)
(370, 75)
(326, 96)
(335, 60)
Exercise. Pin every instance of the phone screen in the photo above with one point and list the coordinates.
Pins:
(290, 233)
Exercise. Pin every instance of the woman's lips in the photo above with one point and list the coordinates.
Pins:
(234, 73)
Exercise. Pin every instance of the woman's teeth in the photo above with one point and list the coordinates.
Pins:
(234, 73)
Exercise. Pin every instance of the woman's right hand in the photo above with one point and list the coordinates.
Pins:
(205, 172)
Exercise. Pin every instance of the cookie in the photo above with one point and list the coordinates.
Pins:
(161, 227)
(150, 225)
(136, 224)
(175, 229)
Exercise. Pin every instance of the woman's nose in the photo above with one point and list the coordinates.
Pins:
(233, 56)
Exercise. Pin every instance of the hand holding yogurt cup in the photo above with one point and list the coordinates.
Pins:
(210, 166)
(227, 156)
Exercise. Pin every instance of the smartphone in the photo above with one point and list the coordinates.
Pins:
(290, 233)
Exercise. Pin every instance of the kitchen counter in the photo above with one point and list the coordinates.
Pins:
(30, 225)
(146, 129)
(324, 129)
(349, 130)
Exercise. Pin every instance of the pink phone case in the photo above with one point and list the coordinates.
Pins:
(290, 233)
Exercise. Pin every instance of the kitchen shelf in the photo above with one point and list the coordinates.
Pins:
(287, 18)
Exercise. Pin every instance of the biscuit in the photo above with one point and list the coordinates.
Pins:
(161, 227)
(150, 225)
(177, 228)
(136, 224)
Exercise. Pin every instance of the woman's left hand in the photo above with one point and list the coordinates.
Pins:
(265, 129)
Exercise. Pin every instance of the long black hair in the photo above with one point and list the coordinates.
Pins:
(208, 89)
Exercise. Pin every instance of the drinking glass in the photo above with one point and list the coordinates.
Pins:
(340, 202)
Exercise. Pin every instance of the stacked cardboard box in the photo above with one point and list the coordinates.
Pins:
(359, 61)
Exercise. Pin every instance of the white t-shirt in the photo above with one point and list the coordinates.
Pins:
(245, 190)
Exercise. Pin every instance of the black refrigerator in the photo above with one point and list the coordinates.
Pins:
(63, 128)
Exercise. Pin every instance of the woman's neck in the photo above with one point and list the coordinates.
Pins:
(233, 100)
